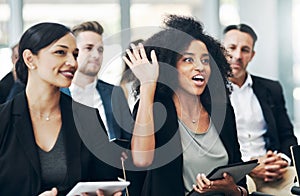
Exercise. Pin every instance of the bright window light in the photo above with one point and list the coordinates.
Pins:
(229, 15)
(6, 64)
(296, 93)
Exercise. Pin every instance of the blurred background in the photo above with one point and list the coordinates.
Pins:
(277, 23)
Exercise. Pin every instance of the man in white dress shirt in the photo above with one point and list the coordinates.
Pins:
(264, 129)
(87, 89)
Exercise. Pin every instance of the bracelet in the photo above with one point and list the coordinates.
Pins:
(241, 190)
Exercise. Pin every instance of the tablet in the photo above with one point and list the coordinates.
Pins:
(295, 152)
(236, 170)
(108, 187)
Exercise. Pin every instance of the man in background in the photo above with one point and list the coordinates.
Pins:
(265, 131)
(10, 85)
(87, 89)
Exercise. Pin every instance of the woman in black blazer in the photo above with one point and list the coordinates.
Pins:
(184, 121)
(41, 129)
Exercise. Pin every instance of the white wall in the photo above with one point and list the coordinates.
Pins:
(261, 15)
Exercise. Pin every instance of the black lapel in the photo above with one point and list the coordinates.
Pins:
(92, 132)
(259, 90)
(105, 94)
(264, 98)
(71, 140)
(24, 131)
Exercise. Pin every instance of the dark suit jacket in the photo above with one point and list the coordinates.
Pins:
(118, 115)
(16, 88)
(164, 177)
(6, 84)
(280, 134)
(84, 139)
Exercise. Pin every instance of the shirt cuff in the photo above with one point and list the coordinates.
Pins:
(285, 157)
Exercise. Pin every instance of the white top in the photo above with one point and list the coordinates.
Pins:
(250, 122)
(89, 96)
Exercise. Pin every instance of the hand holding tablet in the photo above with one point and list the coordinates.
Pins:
(237, 171)
(108, 187)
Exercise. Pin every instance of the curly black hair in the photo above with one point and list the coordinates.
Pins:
(173, 40)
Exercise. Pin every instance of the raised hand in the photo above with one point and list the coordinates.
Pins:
(138, 62)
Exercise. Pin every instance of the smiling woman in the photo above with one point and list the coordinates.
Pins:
(40, 121)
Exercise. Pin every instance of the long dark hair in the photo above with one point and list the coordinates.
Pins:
(36, 38)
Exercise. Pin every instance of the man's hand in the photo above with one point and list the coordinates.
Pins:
(271, 167)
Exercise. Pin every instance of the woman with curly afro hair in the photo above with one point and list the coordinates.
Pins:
(185, 125)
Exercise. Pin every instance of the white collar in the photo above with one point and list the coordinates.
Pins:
(248, 83)
(74, 87)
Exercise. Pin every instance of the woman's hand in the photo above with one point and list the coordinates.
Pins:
(100, 193)
(52, 192)
(140, 65)
(225, 185)
(143, 140)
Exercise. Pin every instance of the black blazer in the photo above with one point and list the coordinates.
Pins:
(164, 177)
(84, 140)
(117, 112)
(6, 83)
(280, 134)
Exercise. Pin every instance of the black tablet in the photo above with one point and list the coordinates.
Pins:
(236, 170)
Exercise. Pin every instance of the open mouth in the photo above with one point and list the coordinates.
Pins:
(199, 78)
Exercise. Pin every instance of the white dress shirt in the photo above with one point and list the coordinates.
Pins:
(250, 122)
(89, 96)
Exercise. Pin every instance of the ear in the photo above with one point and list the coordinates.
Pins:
(28, 59)
(253, 54)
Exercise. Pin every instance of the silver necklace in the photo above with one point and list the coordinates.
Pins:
(46, 117)
(193, 120)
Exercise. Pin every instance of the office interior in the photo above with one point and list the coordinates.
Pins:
(277, 23)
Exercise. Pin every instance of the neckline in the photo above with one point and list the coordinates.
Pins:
(191, 131)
